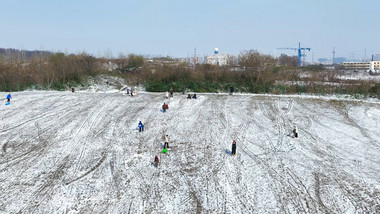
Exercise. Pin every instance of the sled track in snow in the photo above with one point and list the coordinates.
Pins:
(288, 108)
(283, 175)
(345, 114)
(104, 156)
(35, 148)
(39, 147)
(101, 114)
(114, 175)
(38, 117)
(42, 140)
(350, 121)
(244, 204)
(4, 147)
(298, 190)
(269, 140)
(104, 165)
(45, 191)
(230, 178)
(317, 188)
(317, 145)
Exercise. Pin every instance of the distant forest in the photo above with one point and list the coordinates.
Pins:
(254, 73)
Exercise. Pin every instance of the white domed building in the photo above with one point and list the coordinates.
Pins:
(217, 58)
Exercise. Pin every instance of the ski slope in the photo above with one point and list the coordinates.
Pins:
(63, 152)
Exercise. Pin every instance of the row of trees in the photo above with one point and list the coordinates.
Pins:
(52, 72)
(256, 73)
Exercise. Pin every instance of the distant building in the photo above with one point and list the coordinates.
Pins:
(356, 65)
(376, 57)
(322, 60)
(373, 66)
(338, 60)
(218, 58)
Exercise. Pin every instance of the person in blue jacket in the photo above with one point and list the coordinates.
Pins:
(9, 97)
(141, 127)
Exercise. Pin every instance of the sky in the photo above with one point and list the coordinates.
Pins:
(179, 28)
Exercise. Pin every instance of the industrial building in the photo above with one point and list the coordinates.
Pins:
(373, 66)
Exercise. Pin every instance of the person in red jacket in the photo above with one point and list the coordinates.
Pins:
(156, 161)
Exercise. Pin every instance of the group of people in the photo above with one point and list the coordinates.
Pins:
(189, 96)
(294, 131)
(166, 146)
(130, 91)
(166, 141)
(171, 93)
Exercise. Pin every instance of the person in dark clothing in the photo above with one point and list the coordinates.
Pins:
(156, 161)
(194, 96)
(232, 89)
(295, 131)
(188, 96)
(141, 127)
(233, 148)
(171, 92)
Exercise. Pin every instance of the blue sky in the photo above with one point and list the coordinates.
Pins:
(177, 27)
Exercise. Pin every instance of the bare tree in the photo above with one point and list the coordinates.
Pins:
(286, 60)
(255, 64)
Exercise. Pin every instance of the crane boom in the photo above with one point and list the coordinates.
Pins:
(299, 49)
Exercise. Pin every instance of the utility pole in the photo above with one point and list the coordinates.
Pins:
(195, 56)
(333, 61)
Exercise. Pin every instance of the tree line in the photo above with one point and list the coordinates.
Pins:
(254, 73)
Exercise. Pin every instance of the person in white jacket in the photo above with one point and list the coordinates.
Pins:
(166, 142)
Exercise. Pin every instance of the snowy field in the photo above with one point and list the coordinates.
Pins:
(63, 152)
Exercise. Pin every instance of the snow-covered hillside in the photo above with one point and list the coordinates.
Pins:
(63, 152)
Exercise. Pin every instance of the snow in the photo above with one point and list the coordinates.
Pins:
(63, 152)
(360, 75)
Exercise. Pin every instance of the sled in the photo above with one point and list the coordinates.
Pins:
(7, 104)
